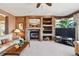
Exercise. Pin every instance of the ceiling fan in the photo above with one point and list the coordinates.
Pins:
(38, 4)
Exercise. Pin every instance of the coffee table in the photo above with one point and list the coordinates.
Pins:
(15, 51)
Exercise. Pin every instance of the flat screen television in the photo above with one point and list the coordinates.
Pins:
(65, 32)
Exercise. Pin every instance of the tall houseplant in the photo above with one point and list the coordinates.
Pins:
(66, 23)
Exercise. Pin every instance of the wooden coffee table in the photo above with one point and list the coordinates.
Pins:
(15, 51)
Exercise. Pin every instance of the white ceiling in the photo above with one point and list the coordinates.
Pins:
(26, 9)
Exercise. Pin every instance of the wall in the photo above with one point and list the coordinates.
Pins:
(76, 17)
(11, 20)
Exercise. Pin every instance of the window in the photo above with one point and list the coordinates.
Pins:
(2, 27)
(65, 23)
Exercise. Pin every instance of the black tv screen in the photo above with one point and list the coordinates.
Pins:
(65, 32)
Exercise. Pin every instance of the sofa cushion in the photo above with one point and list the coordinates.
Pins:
(4, 41)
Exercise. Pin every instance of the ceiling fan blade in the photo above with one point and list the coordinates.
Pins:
(38, 5)
(49, 4)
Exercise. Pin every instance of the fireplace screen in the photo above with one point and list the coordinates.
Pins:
(34, 34)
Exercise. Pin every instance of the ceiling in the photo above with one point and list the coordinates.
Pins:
(26, 9)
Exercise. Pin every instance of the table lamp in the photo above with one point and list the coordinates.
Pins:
(19, 32)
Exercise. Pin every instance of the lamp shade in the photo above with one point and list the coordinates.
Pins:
(17, 30)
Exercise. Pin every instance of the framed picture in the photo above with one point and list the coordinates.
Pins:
(20, 26)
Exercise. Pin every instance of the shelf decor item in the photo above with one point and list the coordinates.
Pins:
(16, 46)
(34, 22)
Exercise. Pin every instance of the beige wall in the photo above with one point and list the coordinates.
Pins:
(76, 17)
(11, 20)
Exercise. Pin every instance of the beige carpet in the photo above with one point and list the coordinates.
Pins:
(47, 48)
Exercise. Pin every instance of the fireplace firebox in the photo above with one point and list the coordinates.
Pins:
(34, 34)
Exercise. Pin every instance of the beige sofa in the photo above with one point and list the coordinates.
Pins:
(3, 47)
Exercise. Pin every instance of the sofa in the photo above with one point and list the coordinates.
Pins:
(10, 40)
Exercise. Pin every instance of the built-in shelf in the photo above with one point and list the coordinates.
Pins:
(33, 28)
(47, 21)
(47, 28)
(47, 25)
(46, 38)
(47, 34)
(44, 25)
